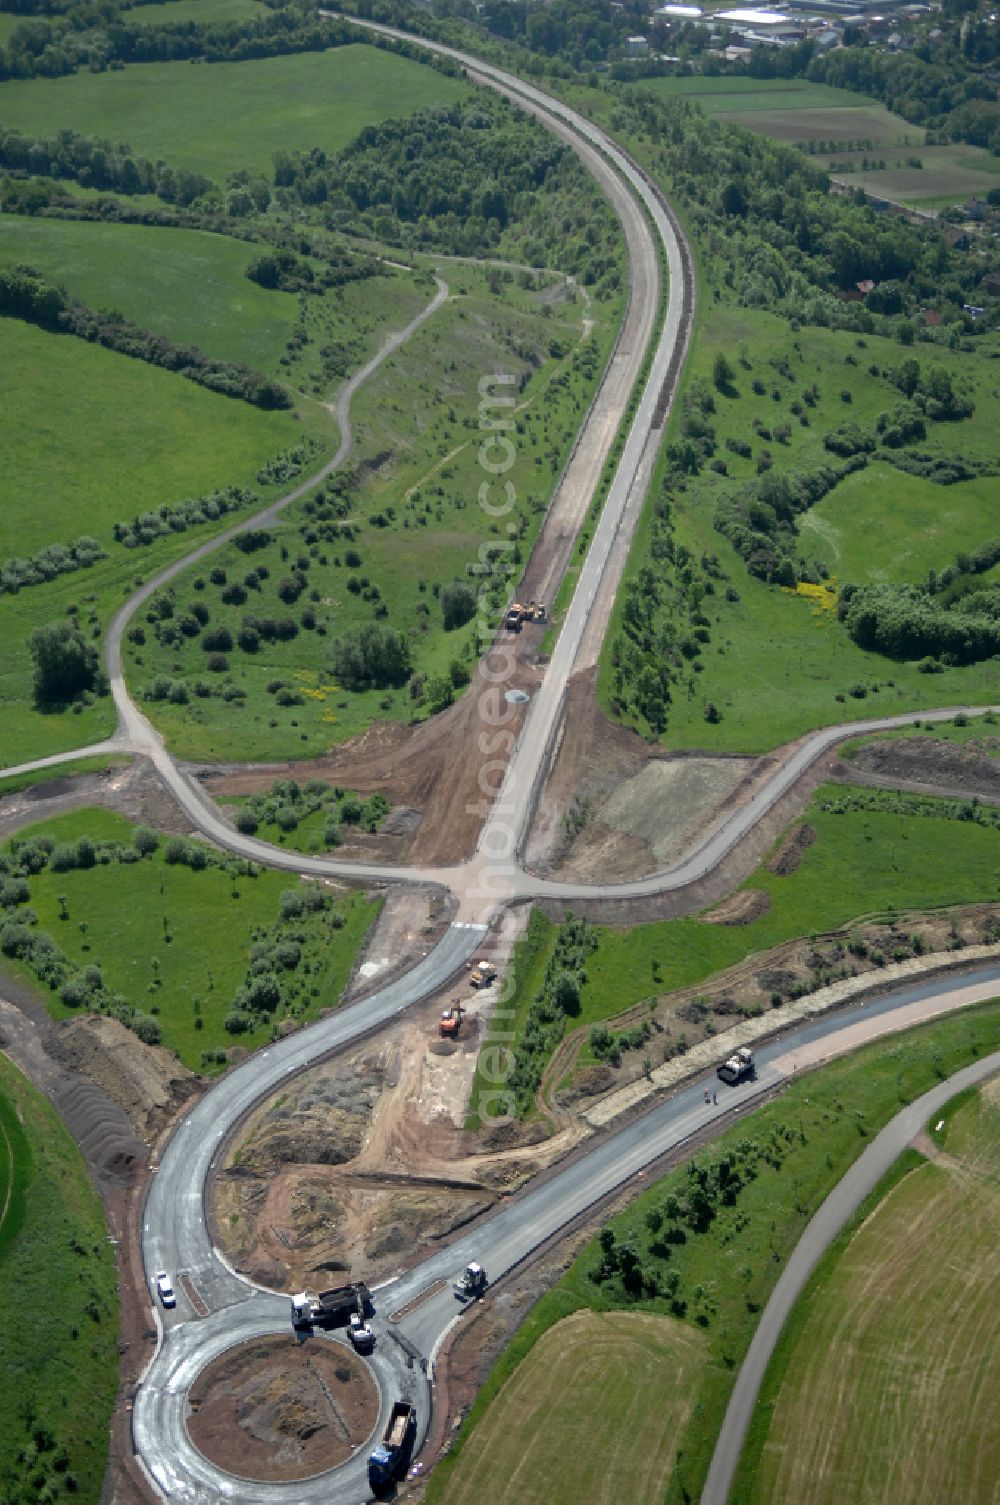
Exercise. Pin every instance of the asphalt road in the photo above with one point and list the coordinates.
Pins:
(841, 1205)
(177, 1239)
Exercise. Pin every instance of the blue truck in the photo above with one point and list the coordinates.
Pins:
(391, 1457)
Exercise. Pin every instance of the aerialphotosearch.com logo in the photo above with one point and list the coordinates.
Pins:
(498, 558)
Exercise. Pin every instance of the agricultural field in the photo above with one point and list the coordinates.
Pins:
(58, 1378)
(861, 1402)
(709, 1266)
(587, 1381)
(777, 663)
(415, 479)
(88, 432)
(862, 862)
(219, 118)
(184, 956)
(185, 284)
(862, 143)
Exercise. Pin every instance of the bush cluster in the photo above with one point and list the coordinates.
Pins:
(277, 978)
(177, 517)
(287, 804)
(557, 1000)
(55, 559)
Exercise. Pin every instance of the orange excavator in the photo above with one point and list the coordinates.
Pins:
(451, 1020)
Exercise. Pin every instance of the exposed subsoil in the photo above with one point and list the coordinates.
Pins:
(614, 807)
(417, 768)
(364, 1162)
(134, 790)
(278, 1410)
(928, 765)
(411, 922)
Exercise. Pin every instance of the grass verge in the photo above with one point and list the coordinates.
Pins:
(58, 1310)
(863, 862)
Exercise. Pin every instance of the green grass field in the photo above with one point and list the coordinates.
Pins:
(58, 1377)
(177, 12)
(777, 663)
(417, 437)
(881, 524)
(211, 921)
(91, 437)
(220, 117)
(725, 95)
(587, 1381)
(185, 284)
(861, 863)
(714, 1281)
(803, 113)
(862, 1402)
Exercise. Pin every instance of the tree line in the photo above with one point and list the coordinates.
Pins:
(94, 34)
(24, 294)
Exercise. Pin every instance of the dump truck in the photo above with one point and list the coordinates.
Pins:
(471, 1283)
(331, 1308)
(739, 1068)
(361, 1336)
(515, 616)
(482, 974)
(451, 1021)
(390, 1458)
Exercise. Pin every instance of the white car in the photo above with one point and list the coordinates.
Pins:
(164, 1289)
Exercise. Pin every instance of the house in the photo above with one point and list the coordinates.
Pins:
(990, 284)
(636, 46)
(865, 286)
(957, 238)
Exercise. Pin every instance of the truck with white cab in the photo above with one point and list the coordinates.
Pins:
(471, 1283)
(738, 1068)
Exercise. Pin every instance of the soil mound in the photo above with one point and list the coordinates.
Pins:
(742, 909)
(928, 763)
(276, 1410)
(147, 1082)
(788, 856)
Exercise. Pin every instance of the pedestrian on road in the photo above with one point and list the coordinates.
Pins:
(715, 1099)
(706, 1095)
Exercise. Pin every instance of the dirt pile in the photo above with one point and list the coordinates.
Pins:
(742, 909)
(276, 1410)
(929, 765)
(147, 1082)
(788, 856)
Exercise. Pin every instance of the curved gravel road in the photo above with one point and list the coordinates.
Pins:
(841, 1205)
